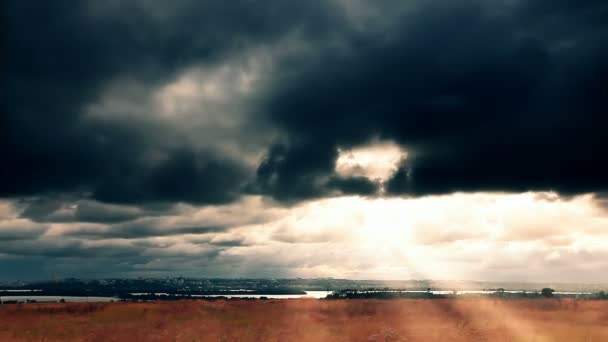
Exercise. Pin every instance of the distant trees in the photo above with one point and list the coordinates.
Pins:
(547, 292)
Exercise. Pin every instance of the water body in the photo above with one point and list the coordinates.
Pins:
(75, 299)
(309, 294)
(469, 292)
(55, 299)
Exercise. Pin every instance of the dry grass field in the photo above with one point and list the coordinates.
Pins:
(536, 320)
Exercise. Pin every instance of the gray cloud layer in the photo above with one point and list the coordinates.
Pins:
(525, 236)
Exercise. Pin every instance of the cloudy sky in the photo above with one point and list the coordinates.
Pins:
(321, 138)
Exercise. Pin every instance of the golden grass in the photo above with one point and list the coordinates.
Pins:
(535, 320)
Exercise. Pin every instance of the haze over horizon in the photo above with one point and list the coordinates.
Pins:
(327, 138)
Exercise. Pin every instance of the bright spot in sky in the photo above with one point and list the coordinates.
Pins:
(377, 160)
(460, 236)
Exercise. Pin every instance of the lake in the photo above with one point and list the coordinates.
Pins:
(309, 294)
(22, 298)
(58, 298)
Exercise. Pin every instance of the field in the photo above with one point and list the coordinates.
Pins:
(310, 320)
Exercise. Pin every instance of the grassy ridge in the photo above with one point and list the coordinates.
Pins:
(310, 320)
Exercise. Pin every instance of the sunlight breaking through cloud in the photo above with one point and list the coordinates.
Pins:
(491, 236)
(377, 160)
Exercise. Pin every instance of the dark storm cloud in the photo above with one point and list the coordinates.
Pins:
(304, 169)
(183, 177)
(354, 185)
(58, 57)
(483, 95)
(230, 243)
(66, 249)
(293, 172)
(13, 231)
(602, 199)
(39, 259)
(146, 228)
(41, 209)
(88, 211)
(72, 209)
(221, 242)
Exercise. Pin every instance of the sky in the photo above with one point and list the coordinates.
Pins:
(351, 139)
